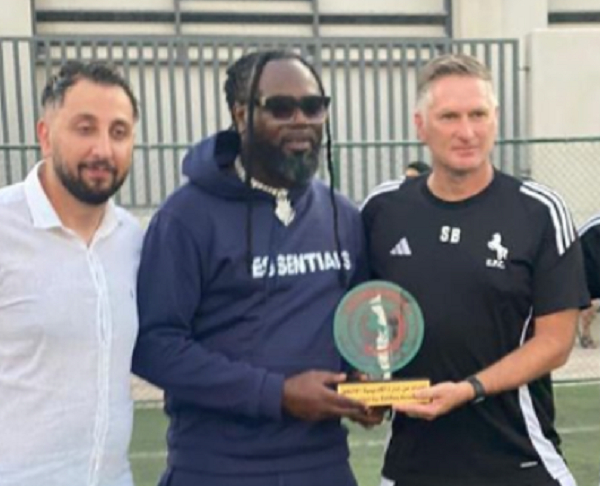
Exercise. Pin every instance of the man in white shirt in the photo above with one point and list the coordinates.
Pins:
(68, 264)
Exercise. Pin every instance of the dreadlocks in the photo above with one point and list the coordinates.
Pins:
(241, 86)
(238, 80)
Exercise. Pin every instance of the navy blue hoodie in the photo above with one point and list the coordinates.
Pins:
(219, 339)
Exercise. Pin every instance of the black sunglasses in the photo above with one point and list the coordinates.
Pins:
(283, 108)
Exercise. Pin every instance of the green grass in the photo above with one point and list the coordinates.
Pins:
(148, 446)
(578, 421)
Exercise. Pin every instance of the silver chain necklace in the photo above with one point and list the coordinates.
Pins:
(283, 206)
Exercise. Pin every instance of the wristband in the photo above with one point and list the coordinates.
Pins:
(477, 387)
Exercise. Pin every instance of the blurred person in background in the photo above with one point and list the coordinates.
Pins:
(416, 168)
(590, 242)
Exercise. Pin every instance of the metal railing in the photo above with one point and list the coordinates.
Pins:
(179, 82)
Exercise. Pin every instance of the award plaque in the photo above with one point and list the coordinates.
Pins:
(379, 329)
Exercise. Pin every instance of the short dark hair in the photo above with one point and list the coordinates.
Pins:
(98, 72)
(420, 166)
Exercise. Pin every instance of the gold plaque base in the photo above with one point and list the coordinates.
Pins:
(383, 393)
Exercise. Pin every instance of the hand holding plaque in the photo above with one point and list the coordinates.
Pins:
(379, 329)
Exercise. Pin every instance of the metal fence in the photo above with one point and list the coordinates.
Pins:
(179, 82)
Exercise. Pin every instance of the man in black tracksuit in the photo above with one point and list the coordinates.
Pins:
(496, 266)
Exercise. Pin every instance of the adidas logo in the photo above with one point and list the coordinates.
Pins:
(402, 248)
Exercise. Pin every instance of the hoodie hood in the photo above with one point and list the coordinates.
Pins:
(209, 165)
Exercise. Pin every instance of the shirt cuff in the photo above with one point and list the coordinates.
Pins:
(270, 404)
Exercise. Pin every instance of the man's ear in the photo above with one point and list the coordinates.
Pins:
(419, 121)
(240, 117)
(42, 130)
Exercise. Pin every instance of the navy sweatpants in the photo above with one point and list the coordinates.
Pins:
(337, 475)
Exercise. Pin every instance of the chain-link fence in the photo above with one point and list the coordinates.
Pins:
(569, 165)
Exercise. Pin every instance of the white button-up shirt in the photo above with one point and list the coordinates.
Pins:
(68, 323)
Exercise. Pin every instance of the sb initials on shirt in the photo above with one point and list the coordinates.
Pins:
(451, 235)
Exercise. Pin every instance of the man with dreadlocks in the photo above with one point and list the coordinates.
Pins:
(241, 271)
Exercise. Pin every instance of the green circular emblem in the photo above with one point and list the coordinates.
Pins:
(378, 327)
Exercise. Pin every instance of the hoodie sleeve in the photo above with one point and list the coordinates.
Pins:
(361, 272)
(169, 293)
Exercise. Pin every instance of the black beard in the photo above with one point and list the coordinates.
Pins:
(283, 170)
(84, 192)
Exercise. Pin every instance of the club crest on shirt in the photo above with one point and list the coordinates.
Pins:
(500, 252)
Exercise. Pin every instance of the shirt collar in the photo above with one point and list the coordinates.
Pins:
(43, 214)
(111, 219)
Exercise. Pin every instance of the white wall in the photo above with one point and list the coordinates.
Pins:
(498, 18)
(564, 83)
(100, 4)
(15, 20)
(564, 101)
(573, 5)
(382, 6)
(379, 7)
(472, 18)
(325, 6)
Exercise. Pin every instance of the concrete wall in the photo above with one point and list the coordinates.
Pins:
(472, 18)
(326, 7)
(164, 5)
(564, 73)
(498, 19)
(573, 5)
(382, 6)
(16, 19)
(564, 101)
